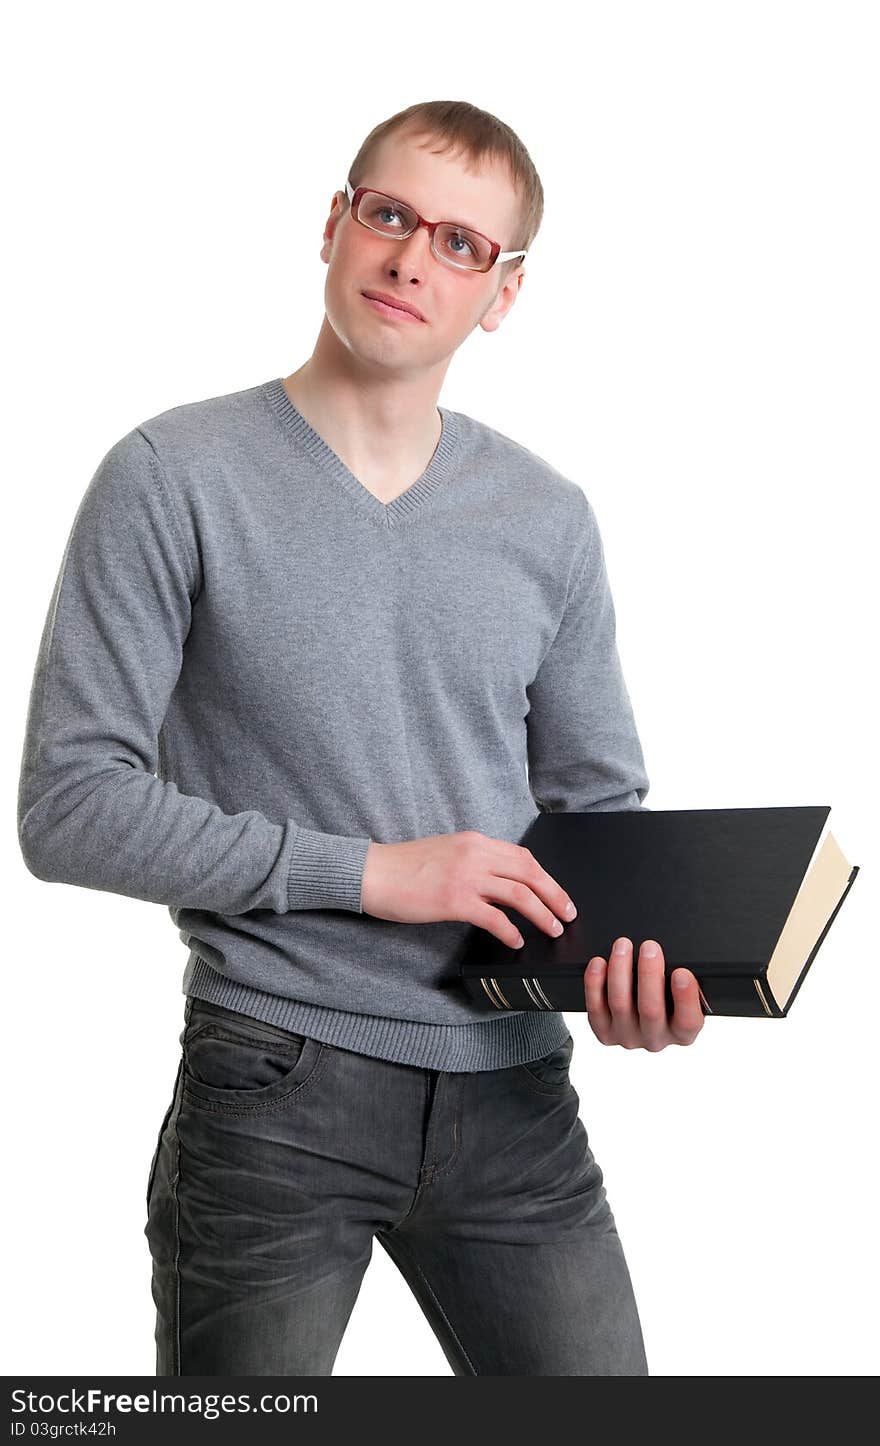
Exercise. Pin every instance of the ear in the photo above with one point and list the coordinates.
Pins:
(337, 211)
(506, 296)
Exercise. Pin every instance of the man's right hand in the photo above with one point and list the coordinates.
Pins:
(454, 876)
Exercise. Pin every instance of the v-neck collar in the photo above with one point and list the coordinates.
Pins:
(387, 514)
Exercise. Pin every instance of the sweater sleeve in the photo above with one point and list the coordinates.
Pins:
(91, 811)
(584, 752)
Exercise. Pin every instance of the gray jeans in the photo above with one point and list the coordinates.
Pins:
(280, 1159)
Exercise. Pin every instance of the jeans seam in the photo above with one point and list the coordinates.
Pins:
(176, 1352)
(453, 1158)
(414, 1264)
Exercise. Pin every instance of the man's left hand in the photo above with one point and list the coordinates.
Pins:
(614, 1019)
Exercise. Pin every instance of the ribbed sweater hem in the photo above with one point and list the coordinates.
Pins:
(513, 1038)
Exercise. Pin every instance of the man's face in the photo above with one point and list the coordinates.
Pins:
(452, 301)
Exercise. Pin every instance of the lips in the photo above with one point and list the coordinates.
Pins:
(393, 302)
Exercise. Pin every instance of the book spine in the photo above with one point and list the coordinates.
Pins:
(744, 996)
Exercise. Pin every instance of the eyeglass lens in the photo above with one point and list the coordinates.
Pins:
(455, 244)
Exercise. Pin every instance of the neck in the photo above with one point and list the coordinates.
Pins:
(370, 415)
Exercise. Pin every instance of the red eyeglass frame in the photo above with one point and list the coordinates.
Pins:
(497, 254)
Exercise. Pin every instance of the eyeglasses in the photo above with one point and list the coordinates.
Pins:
(373, 210)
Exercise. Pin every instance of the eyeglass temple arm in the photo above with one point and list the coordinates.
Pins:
(502, 255)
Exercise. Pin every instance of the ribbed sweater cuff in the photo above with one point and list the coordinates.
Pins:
(326, 871)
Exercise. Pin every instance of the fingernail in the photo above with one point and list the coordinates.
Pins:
(680, 979)
(556, 927)
(596, 966)
(621, 946)
(649, 950)
(570, 910)
(519, 942)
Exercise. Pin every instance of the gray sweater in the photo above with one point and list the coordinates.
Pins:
(251, 667)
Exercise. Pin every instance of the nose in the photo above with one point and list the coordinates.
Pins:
(412, 255)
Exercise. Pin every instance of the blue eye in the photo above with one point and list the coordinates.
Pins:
(466, 243)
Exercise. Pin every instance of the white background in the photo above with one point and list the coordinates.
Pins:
(696, 344)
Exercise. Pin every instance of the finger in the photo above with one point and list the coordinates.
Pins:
(598, 1012)
(536, 877)
(687, 1015)
(519, 896)
(651, 998)
(620, 994)
(496, 922)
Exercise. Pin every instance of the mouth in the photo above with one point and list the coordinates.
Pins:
(391, 307)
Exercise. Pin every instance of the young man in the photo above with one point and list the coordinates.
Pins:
(315, 652)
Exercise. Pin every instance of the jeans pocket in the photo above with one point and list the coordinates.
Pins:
(234, 1064)
(550, 1073)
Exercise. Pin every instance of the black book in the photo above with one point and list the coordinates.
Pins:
(743, 897)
